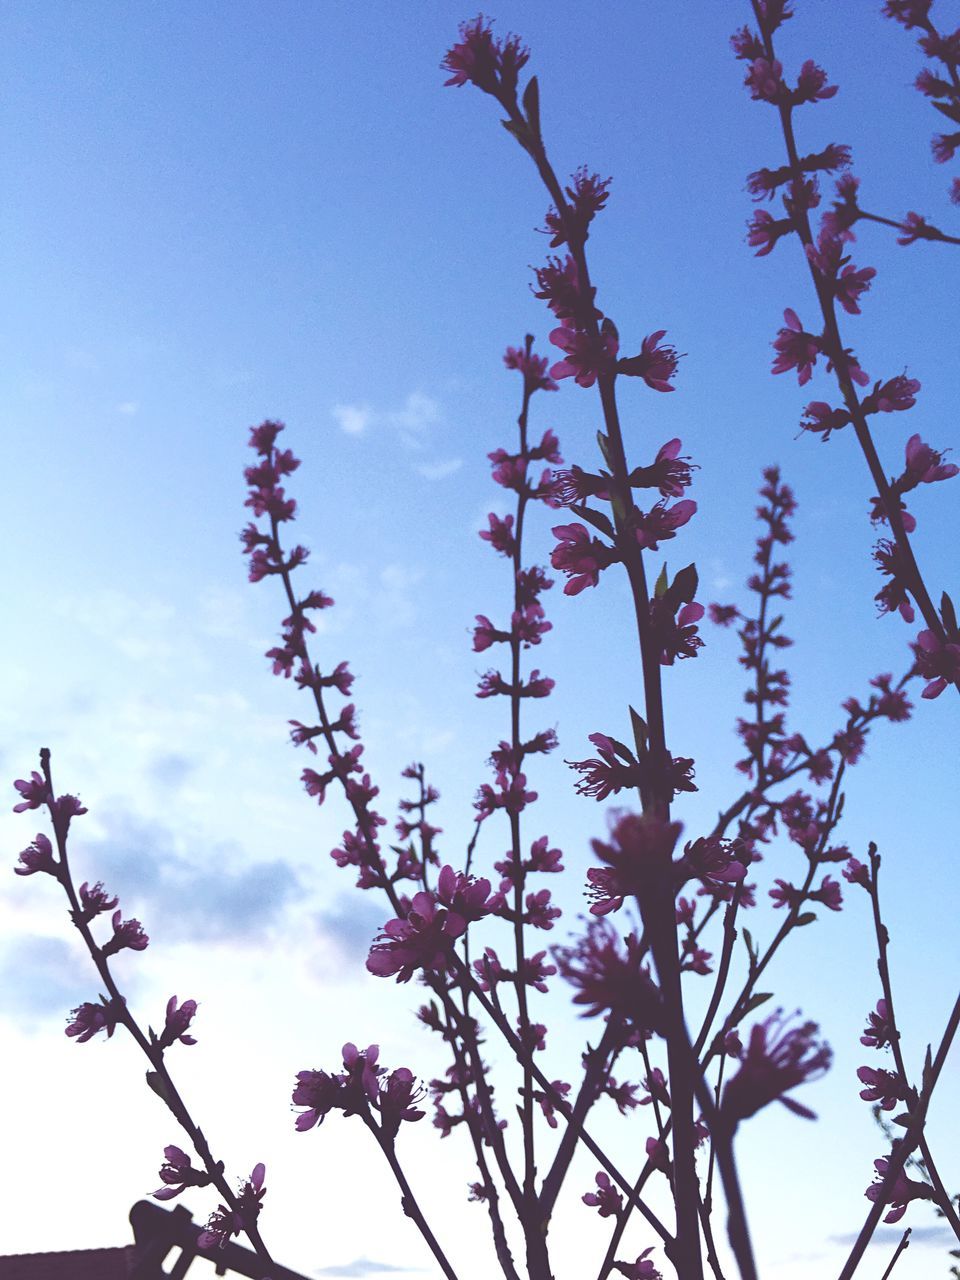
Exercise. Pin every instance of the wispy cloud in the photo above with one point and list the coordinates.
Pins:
(212, 896)
(934, 1236)
(439, 470)
(411, 422)
(362, 1267)
(354, 419)
(128, 407)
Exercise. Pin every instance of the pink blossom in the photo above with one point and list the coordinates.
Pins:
(795, 348)
(926, 465)
(500, 534)
(607, 1199)
(533, 368)
(819, 416)
(611, 978)
(765, 81)
(882, 1087)
(764, 230)
(608, 775)
(893, 596)
(38, 857)
(580, 557)
(561, 289)
(879, 1029)
(913, 228)
(224, 1223)
(777, 1058)
(746, 44)
(655, 364)
(34, 791)
(812, 84)
(586, 356)
(829, 894)
(177, 1023)
(262, 438)
(94, 900)
(89, 1018)
(943, 146)
(857, 873)
(937, 662)
(904, 1190)
(126, 933)
(912, 13)
(661, 522)
(642, 1268)
(492, 65)
(177, 1173)
(676, 637)
(639, 847)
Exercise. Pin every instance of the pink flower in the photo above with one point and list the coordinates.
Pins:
(829, 894)
(126, 933)
(642, 1268)
(937, 662)
(177, 1173)
(89, 1018)
(611, 980)
(533, 368)
(423, 939)
(795, 348)
(915, 227)
(893, 596)
(586, 356)
(943, 145)
(857, 873)
(812, 84)
(608, 775)
(500, 534)
(912, 13)
(819, 416)
(925, 465)
(777, 1058)
(580, 557)
(94, 900)
(607, 1199)
(177, 1023)
(224, 1223)
(746, 44)
(898, 1196)
(677, 637)
(38, 857)
(656, 365)
(34, 791)
(879, 1030)
(764, 230)
(561, 289)
(397, 1101)
(262, 438)
(765, 81)
(882, 1086)
(492, 65)
(639, 847)
(661, 522)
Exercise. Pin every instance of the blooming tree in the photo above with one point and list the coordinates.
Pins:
(677, 1006)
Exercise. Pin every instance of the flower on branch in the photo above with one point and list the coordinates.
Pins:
(38, 857)
(655, 364)
(899, 1195)
(795, 348)
(89, 1018)
(478, 58)
(177, 1173)
(778, 1057)
(607, 1199)
(224, 1223)
(937, 662)
(177, 1023)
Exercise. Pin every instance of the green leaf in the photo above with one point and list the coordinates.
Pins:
(806, 917)
(639, 730)
(685, 584)
(948, 614)
(756, 1000)
(156, 1083)
(604, 444)
(660, 590)
(596, 518)
(531, 105)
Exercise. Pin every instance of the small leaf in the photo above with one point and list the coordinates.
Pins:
(660, 590)
(531, 105)
(596, 518)
(903, 1119)
(623, 752)
(639, 730)
(519, 130)
(948, 614)
(685, 584)
(156, 1083)
(806, 917)
(755, 1001)
(604, 444)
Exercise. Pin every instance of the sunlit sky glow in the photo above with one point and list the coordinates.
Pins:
(221, 213)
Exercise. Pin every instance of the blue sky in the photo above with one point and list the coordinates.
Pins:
(217, 214)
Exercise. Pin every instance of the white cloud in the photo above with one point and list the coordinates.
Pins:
(411, 421)
(354, 419)
(128, 407)
(439, 470)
